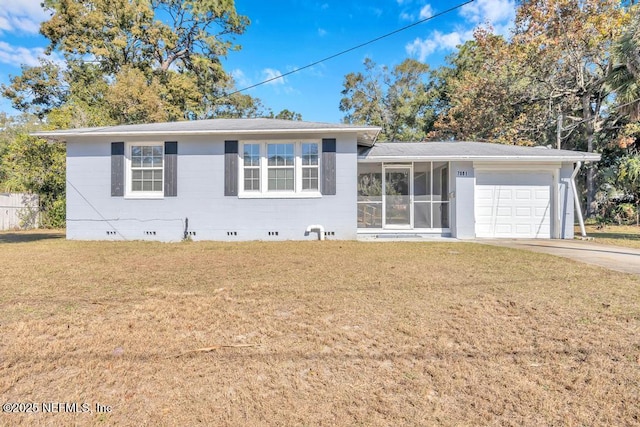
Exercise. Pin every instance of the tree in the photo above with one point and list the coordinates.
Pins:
(132, 61)
(36, 166)
(192, 34)
(624, 82)
(570, 42)
(546, 84)
(399, 100)
(134, 99)
(288, 115)
(38, 89)
(484, 95)
(624, 77)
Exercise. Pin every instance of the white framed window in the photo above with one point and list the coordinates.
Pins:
(310, 166)
(251, 167)
(280, 169)
(145, 170)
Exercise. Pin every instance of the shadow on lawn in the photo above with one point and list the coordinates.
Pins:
(30, 236)
(617, 236)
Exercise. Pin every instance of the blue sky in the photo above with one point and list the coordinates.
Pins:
(288, 34)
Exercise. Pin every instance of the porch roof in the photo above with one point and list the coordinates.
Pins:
(470, 151)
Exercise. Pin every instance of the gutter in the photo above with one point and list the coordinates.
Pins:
(502, 158)
(106, 132)
(576, 199)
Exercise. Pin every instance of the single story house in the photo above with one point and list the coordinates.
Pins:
(265, 179)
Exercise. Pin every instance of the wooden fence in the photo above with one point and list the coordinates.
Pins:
(18, 211)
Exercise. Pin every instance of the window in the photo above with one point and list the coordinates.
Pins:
(280, 168)
(146, 170)
(310, 166)
(251, 167)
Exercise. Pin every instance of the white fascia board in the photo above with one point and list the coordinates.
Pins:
(588, 157)
(55, 134)
(520, 166)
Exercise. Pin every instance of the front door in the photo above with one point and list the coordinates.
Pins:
(397, 196)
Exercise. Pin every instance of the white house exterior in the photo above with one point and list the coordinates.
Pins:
(265, 179)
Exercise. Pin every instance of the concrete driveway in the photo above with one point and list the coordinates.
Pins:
(616, 258)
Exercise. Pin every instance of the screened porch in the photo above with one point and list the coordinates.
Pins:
(403, 196)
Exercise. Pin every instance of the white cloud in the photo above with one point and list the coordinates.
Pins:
(422, 48)
(497, 13)
(407, 16)
(17, 55)
(270, 73)
(21, 16)
(426, 11)
(322, 32)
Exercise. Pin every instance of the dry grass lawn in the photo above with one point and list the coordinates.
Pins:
(617, 235)
(320, 333)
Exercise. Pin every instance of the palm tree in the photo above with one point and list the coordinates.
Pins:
(624, 78)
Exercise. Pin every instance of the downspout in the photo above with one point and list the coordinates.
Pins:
(576, 199)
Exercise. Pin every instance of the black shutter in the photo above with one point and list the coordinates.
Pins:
(117, 169)
(231, 168)
(170, 169)
(328, 176)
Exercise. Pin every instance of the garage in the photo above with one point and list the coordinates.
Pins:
(492, 190)
(513, 204)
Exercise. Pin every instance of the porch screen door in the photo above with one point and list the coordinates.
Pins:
(397, 194)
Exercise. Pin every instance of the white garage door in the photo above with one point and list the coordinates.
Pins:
(513, 204)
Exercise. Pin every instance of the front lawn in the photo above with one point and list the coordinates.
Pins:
(314, 333)
(617, 235)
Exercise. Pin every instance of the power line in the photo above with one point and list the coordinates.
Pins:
(354, 47)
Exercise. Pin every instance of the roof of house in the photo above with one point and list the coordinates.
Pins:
(366, 134)
(473, 151)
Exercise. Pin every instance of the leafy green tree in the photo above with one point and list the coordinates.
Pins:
(38, 89)
(399, 100)
(133, 61)
(33, 165)
(624, 77)
(288, 115)
(191, 35)
(624, 81)
(485, 93)
(547, 84)
(570, 43)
